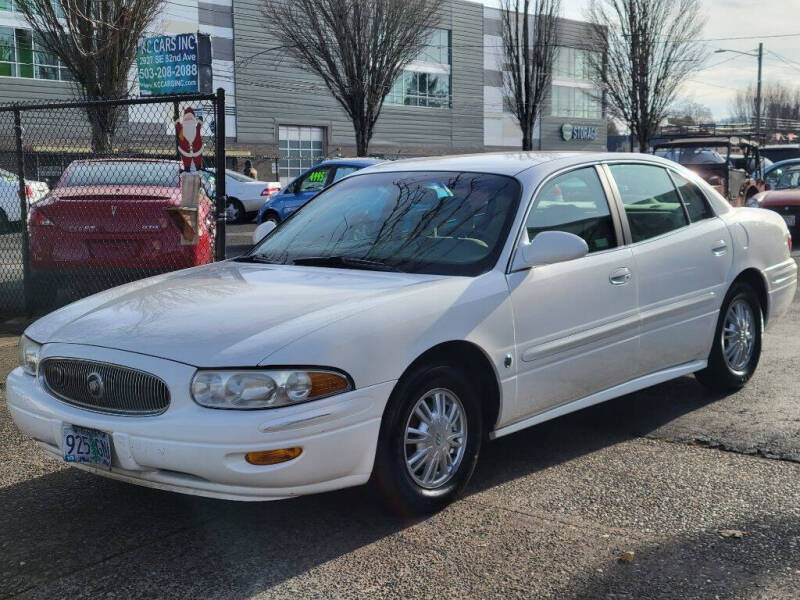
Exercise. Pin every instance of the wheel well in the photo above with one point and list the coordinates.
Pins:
(270, 213)
(476, 365)
(756, 280)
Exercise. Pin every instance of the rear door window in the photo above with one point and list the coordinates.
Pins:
(651, 201)
(343, 171)
(576, 203)
(694, 200)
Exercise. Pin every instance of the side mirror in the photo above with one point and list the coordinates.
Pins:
(263, 231)
(550, 247)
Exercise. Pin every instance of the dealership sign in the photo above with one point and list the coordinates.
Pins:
(170, 64)
(586, 133)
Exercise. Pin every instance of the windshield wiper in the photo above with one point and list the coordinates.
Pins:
(346, 262)
(254, 258)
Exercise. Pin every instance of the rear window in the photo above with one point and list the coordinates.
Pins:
(121, 173)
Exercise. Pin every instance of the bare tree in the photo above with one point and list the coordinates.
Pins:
(96, 41)
(357, 47)
(529, 33)
(650, 51)
(689, 112)
(780, 107)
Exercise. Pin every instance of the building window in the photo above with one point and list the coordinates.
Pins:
(299, 149)
(578, 103)
(573, 63)
(21, 56)
(13, 6)
(426, 81)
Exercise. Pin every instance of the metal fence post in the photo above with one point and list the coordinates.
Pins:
(23, 211)
(219, 155)
(175, 116)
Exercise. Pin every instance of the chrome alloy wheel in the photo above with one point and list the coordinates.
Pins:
(738, 336)
(435, 438)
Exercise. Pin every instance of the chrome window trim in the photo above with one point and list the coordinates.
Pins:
(620, 205)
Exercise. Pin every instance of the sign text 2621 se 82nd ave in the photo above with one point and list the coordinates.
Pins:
(168, 64)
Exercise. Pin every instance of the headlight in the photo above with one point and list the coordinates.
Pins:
(29, 354)
(269, 388)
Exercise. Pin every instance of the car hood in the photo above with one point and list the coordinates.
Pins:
(224, 314)
(789, 197)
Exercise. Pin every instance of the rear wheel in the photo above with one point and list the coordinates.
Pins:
(429, 441)
(737, 341)
(234, 211)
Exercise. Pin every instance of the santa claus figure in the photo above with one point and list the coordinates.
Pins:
(190, 141)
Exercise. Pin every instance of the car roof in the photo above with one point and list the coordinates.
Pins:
(355, 161)
(706, 141)
(509, 163)
(782, 164)
(500, 163)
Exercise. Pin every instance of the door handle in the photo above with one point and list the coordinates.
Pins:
(719, 248)
(620, 276)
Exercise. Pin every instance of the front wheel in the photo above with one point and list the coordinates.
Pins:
(429, 441)
(737, 341)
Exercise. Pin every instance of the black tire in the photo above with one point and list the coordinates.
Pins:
(719, 375)
(5, 226)
(239, 213)
(394, 481)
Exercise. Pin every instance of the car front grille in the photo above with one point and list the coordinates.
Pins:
(103, 387)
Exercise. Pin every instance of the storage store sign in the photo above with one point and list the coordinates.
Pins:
(583, 133)
(168, 64)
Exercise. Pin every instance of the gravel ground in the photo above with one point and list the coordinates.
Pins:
(548, 514)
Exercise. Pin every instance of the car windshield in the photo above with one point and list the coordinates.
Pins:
(138, 173)
(417, 222)
(701, 156)
(789, 179)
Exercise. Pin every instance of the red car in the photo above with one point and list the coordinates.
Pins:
(114, 215)
(784, 199)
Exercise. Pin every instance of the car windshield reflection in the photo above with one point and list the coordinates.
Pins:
(417, 222)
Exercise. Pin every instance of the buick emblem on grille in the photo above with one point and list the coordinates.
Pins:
(94, 383)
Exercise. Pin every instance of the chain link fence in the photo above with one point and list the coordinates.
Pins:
(96, 194)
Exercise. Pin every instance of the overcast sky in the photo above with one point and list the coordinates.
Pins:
(716, 85)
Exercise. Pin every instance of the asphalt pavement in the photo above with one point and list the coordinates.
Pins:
(671, 492)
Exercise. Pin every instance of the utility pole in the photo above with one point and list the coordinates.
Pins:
(760, 56)
(758, 93)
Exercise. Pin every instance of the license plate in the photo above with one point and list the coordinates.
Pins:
(790, 220)
(83, 445)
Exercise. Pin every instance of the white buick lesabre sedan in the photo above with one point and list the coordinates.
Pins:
(405, 315)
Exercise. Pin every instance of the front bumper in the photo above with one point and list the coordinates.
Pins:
(200, 451)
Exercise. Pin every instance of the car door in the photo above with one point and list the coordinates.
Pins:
(306, 187)
(683, 254)
(575, 321)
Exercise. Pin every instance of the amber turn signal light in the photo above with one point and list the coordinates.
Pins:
(325, 384)
(273, 457)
